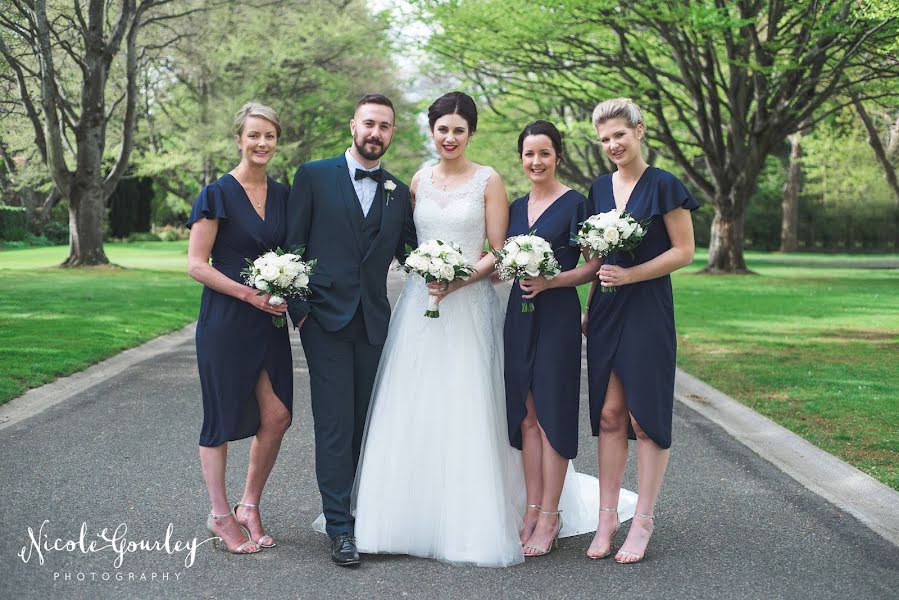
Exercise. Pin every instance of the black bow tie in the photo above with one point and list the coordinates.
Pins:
(362, 174)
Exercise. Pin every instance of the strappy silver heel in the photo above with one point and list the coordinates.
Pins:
(242, 549)
(637, 556)
(608, 551)
(265, 541)
(554, 543)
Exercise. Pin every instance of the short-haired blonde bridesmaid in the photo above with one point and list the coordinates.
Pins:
(630, 333)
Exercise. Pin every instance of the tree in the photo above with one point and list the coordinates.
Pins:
(724, 83)
(320, 58)
(64, 58)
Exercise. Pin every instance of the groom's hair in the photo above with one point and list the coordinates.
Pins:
(375, 99)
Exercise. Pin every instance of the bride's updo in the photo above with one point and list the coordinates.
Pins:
(454, 103)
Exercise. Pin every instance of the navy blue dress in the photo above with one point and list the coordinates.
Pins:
(631, 331)
(235, 340)
(543, 348)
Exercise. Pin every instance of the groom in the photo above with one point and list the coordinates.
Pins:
(353, 217)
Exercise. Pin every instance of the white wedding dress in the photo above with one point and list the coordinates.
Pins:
(437, 477)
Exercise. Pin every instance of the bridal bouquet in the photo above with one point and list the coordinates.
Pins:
(439, 261)
(525, 256)
(282, 274)
(609, 232)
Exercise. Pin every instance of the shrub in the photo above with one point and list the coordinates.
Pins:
(13, 223)
(171, 233)
(55, 232)
(142, 236)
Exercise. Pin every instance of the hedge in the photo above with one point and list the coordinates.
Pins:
(13, 223)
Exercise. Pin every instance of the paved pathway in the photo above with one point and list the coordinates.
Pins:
(729, 524)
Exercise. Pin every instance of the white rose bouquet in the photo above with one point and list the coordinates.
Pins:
(525, 256)
(281, 274)
(608, 232)
(439, 261)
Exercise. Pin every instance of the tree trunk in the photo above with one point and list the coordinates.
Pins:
(883, 157)
(789, 228)
(86, 214)
(726, 244)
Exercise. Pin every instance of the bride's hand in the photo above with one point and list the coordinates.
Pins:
(441, 290)
(533, 286)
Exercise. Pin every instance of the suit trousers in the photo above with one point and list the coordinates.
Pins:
(342, 369)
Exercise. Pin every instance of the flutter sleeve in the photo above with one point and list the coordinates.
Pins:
(210, 204)
(670, 193)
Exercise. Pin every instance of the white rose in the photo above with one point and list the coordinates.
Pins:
(437, 262)
(638, 230)
(293, 269)
(611, 235)
(522, 259)
(447, 272)
(261, 284)
(434, 270)
(389, 185)
(627, 228)
(513, 247)
(276, 300)
(259, 262)
(508, 260)
(301, 280)
(284, 280)
(601, 245)
(269, 272)
(454, 259)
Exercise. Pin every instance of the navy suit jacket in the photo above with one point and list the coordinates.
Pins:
(324, 216)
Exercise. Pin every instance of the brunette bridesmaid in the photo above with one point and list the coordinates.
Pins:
(543, 348)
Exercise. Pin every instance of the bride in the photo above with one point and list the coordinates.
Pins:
(437, 477)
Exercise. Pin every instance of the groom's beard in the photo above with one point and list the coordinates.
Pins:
(367, 154)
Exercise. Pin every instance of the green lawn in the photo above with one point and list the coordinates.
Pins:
(815, 348)
(807, 342)
(54, 322)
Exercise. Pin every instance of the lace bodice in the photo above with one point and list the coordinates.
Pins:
(454, 215)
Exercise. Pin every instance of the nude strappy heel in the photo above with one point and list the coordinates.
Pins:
(242, 549)
(265, 541)
(628, 553)
(554, 543)
(608, 551)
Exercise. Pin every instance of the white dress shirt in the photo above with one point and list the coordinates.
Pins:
(366, 188)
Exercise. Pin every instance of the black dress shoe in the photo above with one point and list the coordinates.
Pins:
(343, 550)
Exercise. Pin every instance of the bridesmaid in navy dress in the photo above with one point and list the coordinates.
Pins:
(543, 348)
(630, 333)
(246, 371)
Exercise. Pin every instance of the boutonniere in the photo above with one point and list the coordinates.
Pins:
(389, 186)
